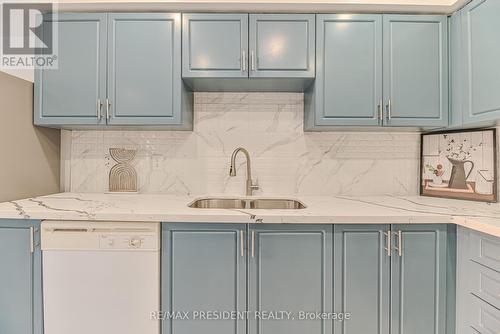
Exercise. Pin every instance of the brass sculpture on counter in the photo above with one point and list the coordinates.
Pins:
(122, 176)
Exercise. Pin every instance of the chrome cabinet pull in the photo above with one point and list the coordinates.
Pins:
(252, 60)
(380, 111)
(387, 248)
(242, 245)
(108, 105)
(253, 243)
(243, 61)
(99, 109)
(32, 239)
(389, 110)
(399, 248)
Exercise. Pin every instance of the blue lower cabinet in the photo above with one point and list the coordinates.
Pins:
(393, 279)
(478, 282)
(419, 279)
(290, 269)
(203, 269)
(362, 278)
(20, 277)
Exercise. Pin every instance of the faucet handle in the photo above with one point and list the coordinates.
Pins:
(232, 170)
(254, 186)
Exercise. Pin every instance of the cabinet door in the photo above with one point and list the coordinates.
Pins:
(290, 269)
(481, 43)
(215, 45)
(361, 278)
(144, 68)
(203, 269)
(20, 278)
(71, 93)
(456, 70)
(348, 87)
(419, 279)
(282, 45)
(416, 70)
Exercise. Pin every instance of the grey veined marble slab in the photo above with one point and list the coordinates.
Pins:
(483, 217)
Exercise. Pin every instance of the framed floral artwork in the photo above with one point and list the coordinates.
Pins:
(460, 165)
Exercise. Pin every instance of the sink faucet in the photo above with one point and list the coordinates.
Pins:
(250, 186)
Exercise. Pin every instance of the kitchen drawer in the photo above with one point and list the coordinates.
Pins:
(485, 284)
(484, 318)
(485, 250)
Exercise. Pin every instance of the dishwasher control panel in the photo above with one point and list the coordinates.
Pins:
(121, 242)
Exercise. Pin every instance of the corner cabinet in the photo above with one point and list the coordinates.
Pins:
(20, 277)
(379, 70)
(393, 276)
(115, 69)
(478, 283)
(481, 68)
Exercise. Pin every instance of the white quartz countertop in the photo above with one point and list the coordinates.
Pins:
(483, 217)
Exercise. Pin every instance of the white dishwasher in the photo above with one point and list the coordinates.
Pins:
(101, 277)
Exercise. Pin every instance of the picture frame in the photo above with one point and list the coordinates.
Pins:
(459, 164)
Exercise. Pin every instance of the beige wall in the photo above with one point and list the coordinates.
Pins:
(29, 156)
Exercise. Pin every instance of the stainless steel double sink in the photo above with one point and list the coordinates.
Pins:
(247, 203)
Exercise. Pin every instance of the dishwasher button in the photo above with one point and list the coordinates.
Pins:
(135, 243)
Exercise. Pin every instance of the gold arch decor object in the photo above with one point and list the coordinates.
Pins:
(122, 176)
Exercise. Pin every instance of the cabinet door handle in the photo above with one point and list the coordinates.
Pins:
(108, 105)
(389, 110)
(387, 247)
(399, 247)
(243, 61)
(242, 246)
(32, 239)
(99, 109)
(252, 60)
(380, 111)
(253, 243)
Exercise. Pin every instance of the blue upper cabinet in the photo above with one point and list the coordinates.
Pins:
(282, 45)
(144, 69)
(73, 93)
(348, 86)
(115, 69)
(456, 70)
(20, 277)
(416, 70)
(481, 52)
(215, 45)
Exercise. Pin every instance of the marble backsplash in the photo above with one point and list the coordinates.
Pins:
(285, 160)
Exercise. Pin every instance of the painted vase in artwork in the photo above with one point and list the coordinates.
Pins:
(458, 178)
(122, 176)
